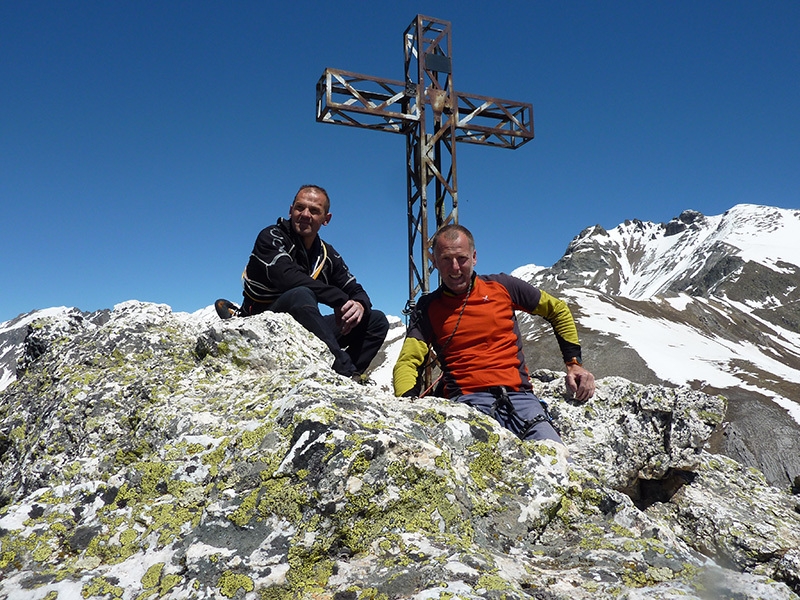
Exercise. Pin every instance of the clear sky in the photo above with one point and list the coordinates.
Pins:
(143, 145)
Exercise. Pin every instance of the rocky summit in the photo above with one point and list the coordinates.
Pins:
(150, 454)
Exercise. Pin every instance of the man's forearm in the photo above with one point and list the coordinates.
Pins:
(406, 369)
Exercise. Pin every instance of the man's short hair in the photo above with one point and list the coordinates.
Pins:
(451, 232)
(316, 188)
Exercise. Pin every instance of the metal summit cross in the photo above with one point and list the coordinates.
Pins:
(433, 117)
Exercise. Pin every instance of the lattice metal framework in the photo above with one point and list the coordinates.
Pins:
(433, 117)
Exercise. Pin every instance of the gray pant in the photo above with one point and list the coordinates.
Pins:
(519, 412)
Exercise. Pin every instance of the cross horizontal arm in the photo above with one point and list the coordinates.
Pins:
(493, 122)
(346, 98)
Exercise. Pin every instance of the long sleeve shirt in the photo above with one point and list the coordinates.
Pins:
(476, 337)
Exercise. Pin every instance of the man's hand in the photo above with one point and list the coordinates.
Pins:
(348, 315)
(580, 382)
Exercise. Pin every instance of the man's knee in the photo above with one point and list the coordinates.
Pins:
(378, 323)
(295, 301)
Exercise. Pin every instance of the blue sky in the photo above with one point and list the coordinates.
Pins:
(143, 145)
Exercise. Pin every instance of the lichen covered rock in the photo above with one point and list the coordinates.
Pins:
(161, 455)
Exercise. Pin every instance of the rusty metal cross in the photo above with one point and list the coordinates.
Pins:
(433, 117)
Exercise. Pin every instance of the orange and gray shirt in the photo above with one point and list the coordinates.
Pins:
(476, 336)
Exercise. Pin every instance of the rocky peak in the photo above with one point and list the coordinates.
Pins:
(682, 221)
(153, 454)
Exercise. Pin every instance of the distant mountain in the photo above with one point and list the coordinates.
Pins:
(712, 302)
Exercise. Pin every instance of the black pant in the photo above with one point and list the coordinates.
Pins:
(352, 352)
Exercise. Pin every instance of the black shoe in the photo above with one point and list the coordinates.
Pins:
(227, 309)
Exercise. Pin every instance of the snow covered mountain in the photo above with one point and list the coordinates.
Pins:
(709, 302)
(712, 302)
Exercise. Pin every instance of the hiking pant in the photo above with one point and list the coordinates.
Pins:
(352, 352)
(519, 412)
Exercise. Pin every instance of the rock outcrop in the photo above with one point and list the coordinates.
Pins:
(157, 455)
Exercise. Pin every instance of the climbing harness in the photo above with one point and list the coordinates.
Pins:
(503, 404)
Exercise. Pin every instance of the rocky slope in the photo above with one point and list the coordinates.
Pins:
(146, 454)
(712, 302)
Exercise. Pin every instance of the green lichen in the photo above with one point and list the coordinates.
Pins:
(153, 473)
(246, 509)
(250, 439)
(110, 548)
(590, 586)
(229, 583)
(543, 449)
(592, 496)
(155, 582)
(641, 576)
(42, 552)
(236, 353)
(99, 586)
(123, 536)
(7, 558)
(323, 414)
(429, 417)
(216, 456)
(134, 454)
(152, 576)
(356, 440)
(127, 537)
(490, 582)
(284, 498)
(359, 465)
(195, 448)
(488, 464)
(309, 568)
(366, 593)
(276, 592)
(170, 518)
(621, 531)
(168, 582)
(18, 433)
(443, 462)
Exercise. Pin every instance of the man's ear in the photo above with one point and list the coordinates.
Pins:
(328, 218)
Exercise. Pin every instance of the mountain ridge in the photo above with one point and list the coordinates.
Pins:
(709, 302)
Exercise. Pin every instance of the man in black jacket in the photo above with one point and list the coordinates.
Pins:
(291, 269)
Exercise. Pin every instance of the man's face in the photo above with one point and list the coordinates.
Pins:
(455, 261)
(307, 214)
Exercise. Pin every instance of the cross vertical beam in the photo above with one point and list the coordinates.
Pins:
(430, 142)
(427, 110)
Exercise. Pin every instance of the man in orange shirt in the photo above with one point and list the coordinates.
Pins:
(469, 322)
